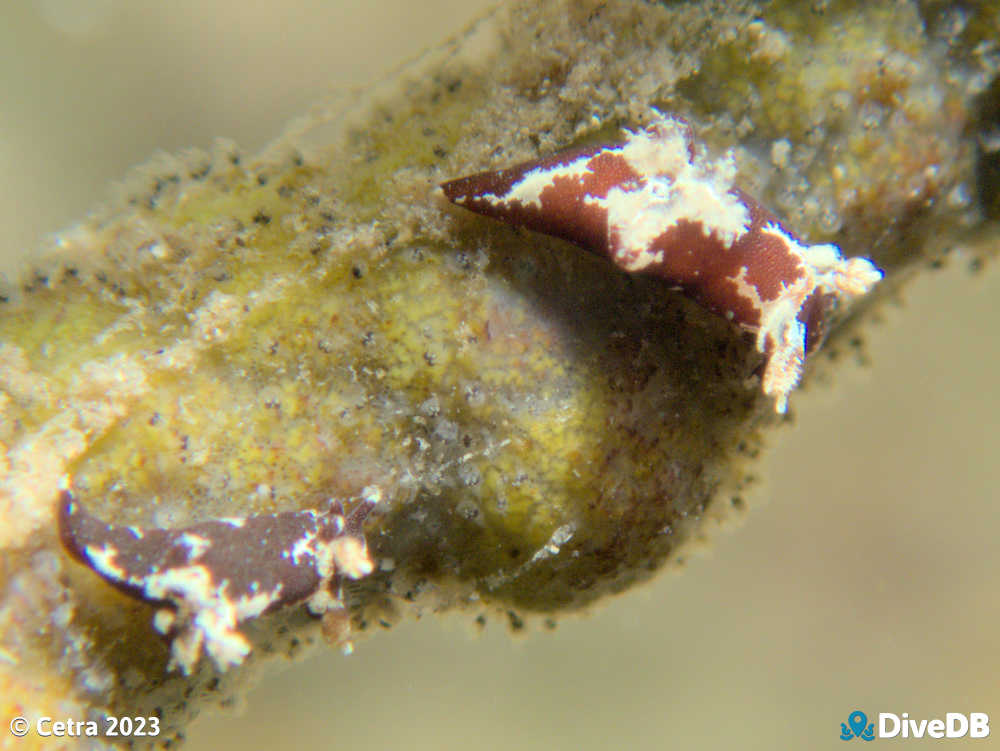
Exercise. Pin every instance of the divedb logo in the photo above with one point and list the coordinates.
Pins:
(889, 725)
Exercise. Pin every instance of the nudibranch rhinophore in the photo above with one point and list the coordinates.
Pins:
(207, 578)
(657, 203)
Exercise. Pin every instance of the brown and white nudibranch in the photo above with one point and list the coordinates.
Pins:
(657, 204)
(207, 578)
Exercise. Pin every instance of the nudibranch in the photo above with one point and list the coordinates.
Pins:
(657, 203)
(208, 578)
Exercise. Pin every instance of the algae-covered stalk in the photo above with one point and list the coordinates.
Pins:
(241, 338)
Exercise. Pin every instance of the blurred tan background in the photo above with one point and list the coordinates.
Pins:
(866, 574)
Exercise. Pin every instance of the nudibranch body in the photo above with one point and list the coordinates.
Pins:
(209, 577)
(657, 204)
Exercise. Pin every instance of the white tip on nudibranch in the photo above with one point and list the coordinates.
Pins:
(781, 334)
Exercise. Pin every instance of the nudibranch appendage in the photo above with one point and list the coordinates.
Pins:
(657, 204)
(208, 578)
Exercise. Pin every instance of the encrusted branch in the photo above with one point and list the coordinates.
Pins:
(223, 367)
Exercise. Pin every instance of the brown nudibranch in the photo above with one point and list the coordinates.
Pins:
(656, 203)
(207, 578)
